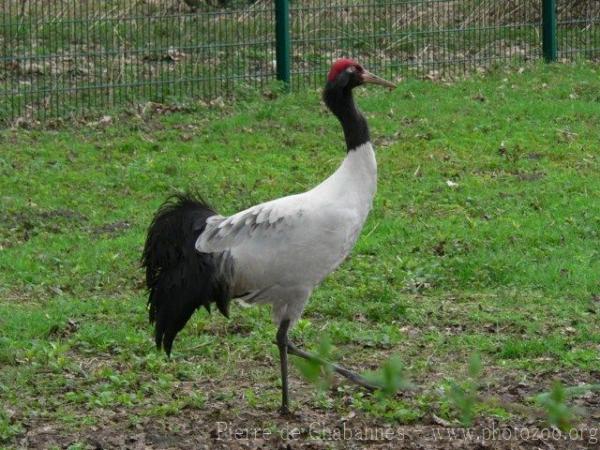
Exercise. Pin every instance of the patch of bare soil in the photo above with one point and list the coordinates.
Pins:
(113, 229)
(224, 429)
(22, 225)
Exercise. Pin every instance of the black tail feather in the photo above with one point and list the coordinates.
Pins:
(179, 278)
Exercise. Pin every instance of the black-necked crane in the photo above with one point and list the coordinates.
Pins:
(273, 253)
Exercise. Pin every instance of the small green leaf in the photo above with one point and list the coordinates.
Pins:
(317, 370)
(475, 366)
(390, 377)
(558, 412)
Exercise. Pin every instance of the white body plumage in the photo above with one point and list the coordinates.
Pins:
(283, 248)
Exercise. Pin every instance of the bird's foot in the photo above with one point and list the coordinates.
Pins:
(284, 411)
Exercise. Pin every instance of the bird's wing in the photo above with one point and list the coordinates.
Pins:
(266, 219)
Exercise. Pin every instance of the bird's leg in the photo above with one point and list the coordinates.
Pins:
(352, 376)
(282, 344)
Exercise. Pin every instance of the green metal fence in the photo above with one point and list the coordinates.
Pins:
(63, 58)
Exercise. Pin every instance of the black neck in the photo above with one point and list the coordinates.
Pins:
(341, 103)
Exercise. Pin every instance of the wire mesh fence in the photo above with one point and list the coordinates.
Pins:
(414, 37)
(578, 31)
(61, 58)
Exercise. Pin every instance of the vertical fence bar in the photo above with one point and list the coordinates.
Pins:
(549, 37)
(282, 40)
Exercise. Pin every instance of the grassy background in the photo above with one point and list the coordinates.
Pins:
(504, 263)
(63, 59)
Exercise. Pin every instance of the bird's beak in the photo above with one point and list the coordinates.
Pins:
(368, 77)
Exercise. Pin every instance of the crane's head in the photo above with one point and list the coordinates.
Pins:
(347, 73)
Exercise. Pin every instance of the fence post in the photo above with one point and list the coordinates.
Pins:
(549, 37)
(282, 40)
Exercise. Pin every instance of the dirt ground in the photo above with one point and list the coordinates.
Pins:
(218, 430)
(223, 424)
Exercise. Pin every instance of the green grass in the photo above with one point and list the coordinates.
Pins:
(504, 264)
